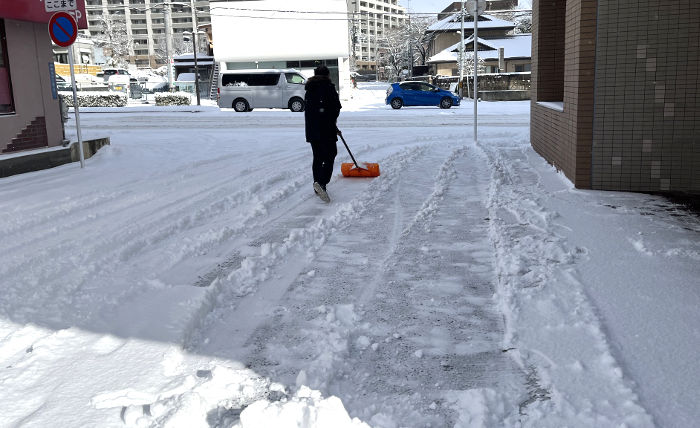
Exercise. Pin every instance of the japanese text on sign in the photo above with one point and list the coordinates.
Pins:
(59, 5)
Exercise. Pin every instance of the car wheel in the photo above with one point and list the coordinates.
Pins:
(240, 105)
(445, 103)
(396, 103)
(296, 105)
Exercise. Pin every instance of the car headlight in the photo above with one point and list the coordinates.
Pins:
(390, 90)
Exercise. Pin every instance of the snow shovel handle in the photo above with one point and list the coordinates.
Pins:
(340, 134)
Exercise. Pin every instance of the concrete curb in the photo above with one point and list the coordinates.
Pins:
(36, 161)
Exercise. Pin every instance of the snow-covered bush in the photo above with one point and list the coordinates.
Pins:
(95, 99)
(173, 99)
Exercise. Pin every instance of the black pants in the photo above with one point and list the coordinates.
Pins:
(324, 156)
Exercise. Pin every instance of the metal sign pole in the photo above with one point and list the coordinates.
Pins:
(476, 8)
(76, 107)
(461, 53)
(476, 66)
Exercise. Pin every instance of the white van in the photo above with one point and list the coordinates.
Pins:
(244, 90)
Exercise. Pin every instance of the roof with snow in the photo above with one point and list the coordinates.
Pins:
(518, 46)
(452, 23)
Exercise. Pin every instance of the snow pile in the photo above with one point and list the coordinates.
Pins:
(306, 409)
(224, 396)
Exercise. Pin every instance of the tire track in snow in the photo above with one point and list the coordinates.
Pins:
(309, 235)
(334, 347)
(62, 283)
(572, 382)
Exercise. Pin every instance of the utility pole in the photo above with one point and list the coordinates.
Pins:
(194, 50)
(369, 45)
(353, 64)
(410, 43)
(168, 43)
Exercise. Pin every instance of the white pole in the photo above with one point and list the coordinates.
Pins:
(76, 108)
(461, 53)
(194, 49)
(476, 66)
(167, 18)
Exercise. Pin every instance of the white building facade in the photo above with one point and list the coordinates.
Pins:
(279, 34)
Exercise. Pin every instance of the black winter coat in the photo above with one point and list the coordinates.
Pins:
(322, 110)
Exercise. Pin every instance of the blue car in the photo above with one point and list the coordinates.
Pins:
(419, 94)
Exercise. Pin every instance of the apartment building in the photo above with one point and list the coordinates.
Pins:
(371, 19)
(143, 24)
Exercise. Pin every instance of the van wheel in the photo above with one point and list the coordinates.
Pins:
(240, 105)
(296, 105)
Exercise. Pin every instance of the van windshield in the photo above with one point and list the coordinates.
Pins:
(252, 79)
(295, 78)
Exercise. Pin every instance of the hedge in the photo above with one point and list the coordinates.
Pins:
(172, 99)
(95, 99)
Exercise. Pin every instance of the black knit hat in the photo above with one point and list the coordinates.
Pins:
(321, 70)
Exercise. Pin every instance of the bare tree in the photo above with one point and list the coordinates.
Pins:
(522, 19)
(468, 67)
(416, 31)
(179, 47)
(114, 39)
(394, 46)
(399, 43)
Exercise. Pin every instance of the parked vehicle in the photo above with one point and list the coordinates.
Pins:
(365, 77)
(119, 83)
(419, 94)
(108, 72)
(244, 90)
(61, 84)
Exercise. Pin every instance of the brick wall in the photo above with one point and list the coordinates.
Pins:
(647, 102)
(31, 137)
(563, 53)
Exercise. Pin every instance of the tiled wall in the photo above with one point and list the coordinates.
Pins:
(647, 103)
(32, 137)
(564, 137)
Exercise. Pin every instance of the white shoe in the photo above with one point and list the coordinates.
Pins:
(321, 192)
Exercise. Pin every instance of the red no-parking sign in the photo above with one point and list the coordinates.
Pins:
(63, 29)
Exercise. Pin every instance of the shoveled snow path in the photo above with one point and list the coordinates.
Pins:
(355, 326)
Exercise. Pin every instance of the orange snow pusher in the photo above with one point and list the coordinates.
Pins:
(355, 170)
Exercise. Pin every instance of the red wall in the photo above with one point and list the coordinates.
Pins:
(35, 11)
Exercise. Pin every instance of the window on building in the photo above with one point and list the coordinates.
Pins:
(550, 51)
(7, 103)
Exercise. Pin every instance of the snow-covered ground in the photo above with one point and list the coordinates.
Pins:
(189, 277)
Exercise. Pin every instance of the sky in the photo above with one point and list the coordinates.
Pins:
(435, 6)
